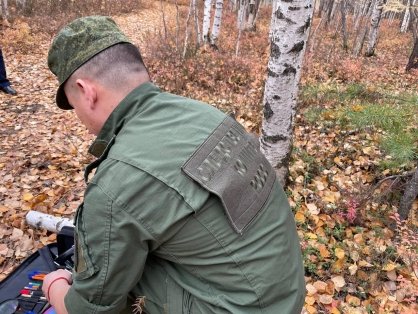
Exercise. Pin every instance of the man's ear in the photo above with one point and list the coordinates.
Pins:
(88, 91)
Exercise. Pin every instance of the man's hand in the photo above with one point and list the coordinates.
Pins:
(55, 287)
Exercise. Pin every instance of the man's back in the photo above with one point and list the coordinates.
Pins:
(166, 230)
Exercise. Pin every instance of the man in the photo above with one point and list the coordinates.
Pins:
(183, 213)
(5, 85)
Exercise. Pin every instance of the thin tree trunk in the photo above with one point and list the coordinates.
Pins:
(186, 39)
(405, 20)
(177, 27)
(374, 29)
(413, 58)
(216, 27)
(163, 17)
(409, 196)
(288, 35)
(206, 20)
(241, 19)
(4, 10)
(196, 23)
(343, 8)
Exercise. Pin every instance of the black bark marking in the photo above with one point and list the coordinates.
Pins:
(272, 74)
(297, 47)
(275, 138)
(289, 69)
(276, 97)
(275, 50)
(279, 15)
(267, 111)
(301, 30)
(294, 8)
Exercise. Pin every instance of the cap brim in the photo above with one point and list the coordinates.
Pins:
(61, 99)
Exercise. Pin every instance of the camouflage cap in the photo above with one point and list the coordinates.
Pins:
(77, 43)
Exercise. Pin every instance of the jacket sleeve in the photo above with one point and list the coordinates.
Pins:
(112, 243)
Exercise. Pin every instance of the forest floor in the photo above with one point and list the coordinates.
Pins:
(358, 259)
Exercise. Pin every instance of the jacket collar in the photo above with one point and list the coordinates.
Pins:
(128, 107)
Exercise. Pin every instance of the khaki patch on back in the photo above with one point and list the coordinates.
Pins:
(230, 165)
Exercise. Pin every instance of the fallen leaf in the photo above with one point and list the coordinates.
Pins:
(339, 282)
(325, 299)
(339, 253)
(313, 209)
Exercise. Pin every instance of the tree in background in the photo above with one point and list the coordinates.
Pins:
(216, 27)
(206, 21)
(375, 22)
(4, 10)
(288, 35)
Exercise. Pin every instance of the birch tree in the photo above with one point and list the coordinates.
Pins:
(375, 23)
(290, 25)
(216, 27)
(4, 10)
(206, 20)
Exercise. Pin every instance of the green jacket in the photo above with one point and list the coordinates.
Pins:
(140, 208)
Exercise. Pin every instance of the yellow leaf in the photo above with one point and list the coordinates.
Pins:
(368, 150)
(338, 265)
(311, 235)
(27, 197)
(339, 253)
(352, 300)
(389, 267)
(310, 300)
(334, 310)
(357, 108)
(300, 217)
(364, 264)
(311, 310)
(331, 197)
(323, 251)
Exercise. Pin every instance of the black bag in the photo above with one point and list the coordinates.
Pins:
(47, 259)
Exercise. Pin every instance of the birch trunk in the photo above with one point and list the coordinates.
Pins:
(4, 10)
(407, 17)
(290, 25)
(216, 27)
(374, 26)
(206, 20)
(253, 9)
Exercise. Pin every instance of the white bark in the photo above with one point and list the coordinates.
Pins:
(4, 10)
(374, 23)
(407, 17)
(289, 33)
(206, 20)
(216, 27)
(48, 222)
(251, 15)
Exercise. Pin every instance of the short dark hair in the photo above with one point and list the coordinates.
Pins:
(113, 65)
